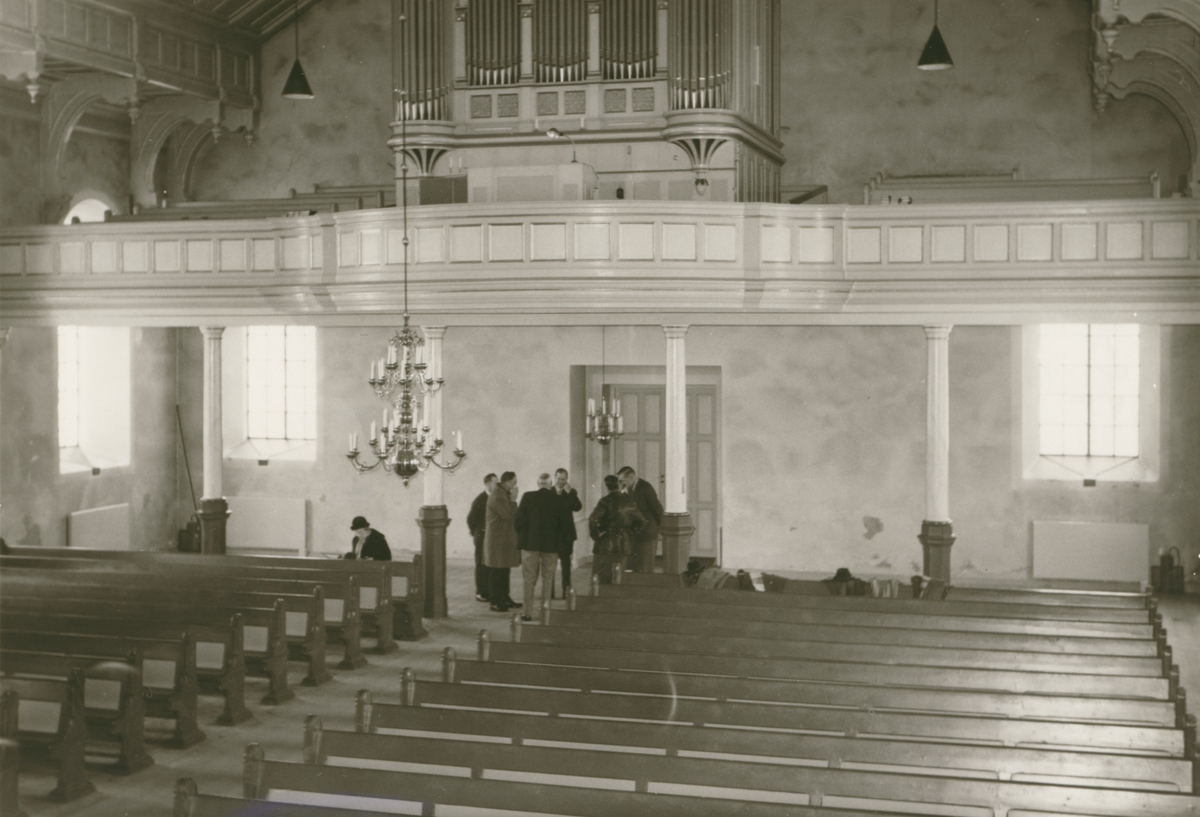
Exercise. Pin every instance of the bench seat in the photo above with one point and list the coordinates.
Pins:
(51, 726)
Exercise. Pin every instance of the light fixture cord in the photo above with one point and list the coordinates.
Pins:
(296, 29)
(935, 15)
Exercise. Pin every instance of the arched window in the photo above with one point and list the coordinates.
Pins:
(87, 210)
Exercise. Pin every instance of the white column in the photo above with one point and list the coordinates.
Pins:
(675, 491)
(213, 440)
(433, 477)
(937, 424)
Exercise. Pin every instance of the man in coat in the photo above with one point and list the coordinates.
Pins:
(500, 552)
(568, 504)
(645, 543)
(613, 525)
(476, 520)
(539, 536)
(367, 543)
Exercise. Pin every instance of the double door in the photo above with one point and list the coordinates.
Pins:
(643, 447)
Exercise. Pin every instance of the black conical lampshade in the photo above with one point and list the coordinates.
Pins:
(297, 86)
(935, 57)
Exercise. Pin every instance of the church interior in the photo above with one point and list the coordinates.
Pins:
(908, 289)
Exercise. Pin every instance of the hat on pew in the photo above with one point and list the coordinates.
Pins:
(359, 523)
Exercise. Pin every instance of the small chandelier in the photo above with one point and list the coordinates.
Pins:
(405, 446)
(605, 426)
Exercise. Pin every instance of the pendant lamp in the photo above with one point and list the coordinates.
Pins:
(935, 57)
(297, 86)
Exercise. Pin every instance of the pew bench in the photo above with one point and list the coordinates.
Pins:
(167, 668)
(10, 764)
(738, 779)
(220, 662)
(51, 726)
(260, 631)
(996, 762)
(113, 704)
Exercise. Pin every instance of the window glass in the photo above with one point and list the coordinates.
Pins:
(281, 374)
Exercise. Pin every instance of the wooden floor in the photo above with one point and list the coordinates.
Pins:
(216, 763)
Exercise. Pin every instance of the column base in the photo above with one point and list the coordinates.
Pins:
(936, 539)
(434, 519)
(676, 530)
(212, 516)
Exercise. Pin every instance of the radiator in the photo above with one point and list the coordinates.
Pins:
(260, 524)
(106, 528)
(1107, 551)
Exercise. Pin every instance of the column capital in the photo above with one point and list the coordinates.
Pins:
(939, 331)
(433, 332)
(673, 331)
(212, 332)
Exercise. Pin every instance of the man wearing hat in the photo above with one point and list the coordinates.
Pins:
(367, 543)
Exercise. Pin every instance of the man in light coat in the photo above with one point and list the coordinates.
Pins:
(500, 552)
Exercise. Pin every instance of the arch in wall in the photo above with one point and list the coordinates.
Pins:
(1165, 80)
(87, 201)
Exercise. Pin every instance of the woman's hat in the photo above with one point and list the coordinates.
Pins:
(359, 523)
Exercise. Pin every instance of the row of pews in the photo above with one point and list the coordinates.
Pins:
(670, 701)
(93, 643)
(322, 199)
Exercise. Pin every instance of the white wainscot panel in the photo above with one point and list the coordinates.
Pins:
(395, 247)
(1035, 242)
(347, 249)
(1170, 240)
(505, 242)
(372, 247)
(948, 244)
(863, 245)
(104, 257)
(635, 242)
(466, 243)
(1079, 242)
(295, 252)
(200, 255)
(777, 244)
(431, 246)
(39, 258)
(70, 254)
(1123, 241)
(720, 242)
(10, 259)
(904, 245)
(548, 242)
(679, 242)
(166, 256)
(591, 242)
(233, 255)
(816, 245)
(991, 242)
(264, 254)
(136, 256)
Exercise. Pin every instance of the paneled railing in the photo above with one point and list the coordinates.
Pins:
(983, 263)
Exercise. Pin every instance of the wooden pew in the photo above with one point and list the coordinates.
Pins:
(51, 726)
(378, 611)
(1065, 598)
(112, 700)
(263, 644)
(1128, 771)
(305, 614)
(10, 756)
(743, 780)
(220, 662)
(598, 614)
(168, 670)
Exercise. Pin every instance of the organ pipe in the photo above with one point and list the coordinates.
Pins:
(420, 71)
(700, 53)
(493, 42)
(628, 39)
(560, 50)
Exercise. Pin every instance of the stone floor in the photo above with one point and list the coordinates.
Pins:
(216, 763)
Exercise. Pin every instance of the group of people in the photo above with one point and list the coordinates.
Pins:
(538, 533)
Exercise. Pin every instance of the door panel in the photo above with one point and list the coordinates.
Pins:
(702, 427)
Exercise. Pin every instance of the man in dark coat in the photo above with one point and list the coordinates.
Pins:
(367, 543)
(476, 521)
(613, 525)
(568, 504)
(645, 543)
(500, 553)
(539, 536)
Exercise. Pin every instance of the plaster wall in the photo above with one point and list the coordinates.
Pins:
(95, 167)
(35, 499)
(854, 104)
(20, 168)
